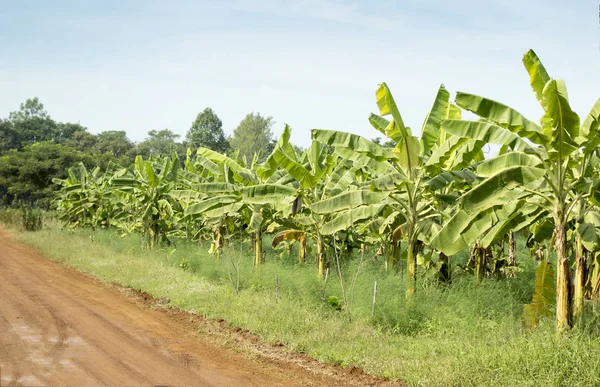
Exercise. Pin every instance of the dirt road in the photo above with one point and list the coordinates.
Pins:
(61, 328)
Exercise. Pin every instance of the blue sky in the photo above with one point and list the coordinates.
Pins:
(143, 65)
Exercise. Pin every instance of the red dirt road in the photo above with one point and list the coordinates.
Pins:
(61, 328)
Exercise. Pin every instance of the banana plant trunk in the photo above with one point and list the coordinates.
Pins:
(580, 277)
(512, 249)
(478, 254)
(302, 250)
(563, 281)
(411, 268)
(258, 254)
(320, 256)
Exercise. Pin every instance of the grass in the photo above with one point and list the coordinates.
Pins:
(457, 335)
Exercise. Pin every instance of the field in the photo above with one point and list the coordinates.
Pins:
(457, 334)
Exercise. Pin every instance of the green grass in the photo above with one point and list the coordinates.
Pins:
(457, 335)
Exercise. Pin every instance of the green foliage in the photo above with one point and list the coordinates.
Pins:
(32, 219)
(543, 297)
(207, 132)
(27, 175)
(158, 143)
(24, 218)
(114, 142)
(184, 264)
(253, 135)
(335, 303)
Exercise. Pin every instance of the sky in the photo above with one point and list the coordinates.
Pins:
(143, 65)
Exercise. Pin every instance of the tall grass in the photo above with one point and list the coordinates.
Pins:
(452, 335)
(25, 218)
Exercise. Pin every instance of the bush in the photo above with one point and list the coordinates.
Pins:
(33, 219)
(29, 219)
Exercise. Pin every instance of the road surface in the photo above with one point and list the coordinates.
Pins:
(61, 328)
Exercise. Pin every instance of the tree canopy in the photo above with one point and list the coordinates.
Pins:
(207, 132)
(253, 135)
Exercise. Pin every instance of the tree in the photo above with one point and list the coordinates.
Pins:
(114, 142)
(83, 141)
(207, 132)
(66, 130)
(159, 142)
(9, 137)
(27, 175)
(32, 123)
(253, 135)
(544, 172)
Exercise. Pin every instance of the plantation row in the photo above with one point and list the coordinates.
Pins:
(419, 202)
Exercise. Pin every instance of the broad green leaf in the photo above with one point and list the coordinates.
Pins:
(256, 220)
(348, 200)
(229, 209)
(297, 171)
(538, 76)
(347, 219)
(387, 106)
(589, 134)
(508, 160)
(218, 158)
(212, 188)
(496, 187)
(443, 179)
(184, 194)
(387, 182)
(408, 150)
(268, 193)
(379, 123)
(430, 132)
(444, 151)
(360, 160)
(484, 131)
(560, 119)
(543, 296)
(352, 141)
(502, 115)
(210, 203)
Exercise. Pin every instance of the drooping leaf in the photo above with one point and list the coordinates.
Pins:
(353, 142)
(494, 189)
(502, 115)
(348, 200)
(484, 131)
(289, 235)
(346, 219)
(507, 160)
(543, 297)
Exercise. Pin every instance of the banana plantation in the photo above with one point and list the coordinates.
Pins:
(415, 205)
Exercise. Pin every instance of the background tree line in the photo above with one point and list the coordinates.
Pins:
(34, 148)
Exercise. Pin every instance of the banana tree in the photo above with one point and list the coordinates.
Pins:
(145, 197)
(539, 164)
(314, 177)
(236, 189)
(85, 197)
(407, 173)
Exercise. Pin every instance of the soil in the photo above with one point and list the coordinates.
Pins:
(59, 327)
